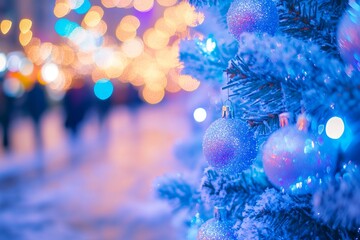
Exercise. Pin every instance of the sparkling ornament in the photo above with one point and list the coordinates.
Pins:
(217, 228)
(228, 145)
(252, 16)
(348, 35)
(297, 161)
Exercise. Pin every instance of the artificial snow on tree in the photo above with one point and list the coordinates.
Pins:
(258, 16)
(338, 203)
(207, 53)
(348, 35)
(304, 67)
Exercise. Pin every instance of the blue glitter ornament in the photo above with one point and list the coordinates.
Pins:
(217, 228)
(228, 145)
(297, 161)
(252, 16)
(348, 35)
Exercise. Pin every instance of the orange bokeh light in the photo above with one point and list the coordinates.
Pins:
(25, 38)
(124, 3)
(188, 83)
(5, 26)
(93, 16)
(166, 3)
(151, 96)
(61, 9)
(25, 25)
(143, 5)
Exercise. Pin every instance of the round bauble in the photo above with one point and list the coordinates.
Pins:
(348, 36)
(217, 228)
(259, 16)
(229, 146)
(296, 161)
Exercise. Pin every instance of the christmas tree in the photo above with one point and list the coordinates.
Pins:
(283, 158)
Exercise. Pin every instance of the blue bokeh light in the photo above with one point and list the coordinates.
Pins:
(335, 128)
(103, 89)
(65, 27)
(84, 8)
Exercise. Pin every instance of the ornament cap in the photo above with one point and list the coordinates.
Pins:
(284, 119)
(303, 122)
(228, 110)
(220, 213)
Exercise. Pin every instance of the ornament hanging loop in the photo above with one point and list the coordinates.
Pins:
(228, 110)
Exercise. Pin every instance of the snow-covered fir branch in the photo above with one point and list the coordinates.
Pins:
(339, 203)
(233, 192)
(280, 216)
(272, 75)
(207, 53)
(314, 21)
(176, 190)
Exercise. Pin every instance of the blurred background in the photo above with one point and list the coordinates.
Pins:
(92, 105)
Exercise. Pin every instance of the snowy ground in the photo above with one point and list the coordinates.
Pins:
(98, 186)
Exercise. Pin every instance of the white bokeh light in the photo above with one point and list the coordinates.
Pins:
(335, 128)
(200, 114)
(49, 72)
(2, 62)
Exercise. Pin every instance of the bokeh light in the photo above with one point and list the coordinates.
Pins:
(145, 60)
(130, 23)
(3, 61)
(5, 26)
(93, 16)
(26, 67)
(335, 128)
(133, 47)
(14, 61)
(109, 3)
(166, 3)
(103, 89)
(25, 25)
(151, 96)
(74, 4)
(200, 115)
(25, 38)
(12, 87)
(65, 27)
(123, 3)
(61, 9)
(49, 72)
(84, 8)
(188, 83)
(103, 57)
(143, 5)
(155, 39)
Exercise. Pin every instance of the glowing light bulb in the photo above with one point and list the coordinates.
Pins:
(335, 128)
(210, 45)
(200, 115)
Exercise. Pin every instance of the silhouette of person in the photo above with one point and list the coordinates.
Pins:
(76, 103)
(6, 110)
(36, 105)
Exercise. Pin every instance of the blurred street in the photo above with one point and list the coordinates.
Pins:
(97, 185)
